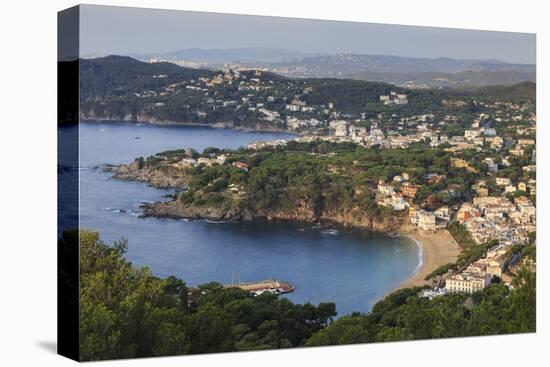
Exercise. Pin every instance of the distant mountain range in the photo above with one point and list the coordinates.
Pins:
(352, 63)
(403, 71)
(460, 79)
(221, 56)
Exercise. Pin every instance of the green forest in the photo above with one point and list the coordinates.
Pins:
(119, 75)
(126, 312)
(327, 177)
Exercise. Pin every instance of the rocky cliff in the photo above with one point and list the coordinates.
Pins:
(260, 126)
(304, 211)
(163, 178)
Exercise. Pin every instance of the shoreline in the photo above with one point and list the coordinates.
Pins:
(174, 210)
(217, 125)
(436, 249)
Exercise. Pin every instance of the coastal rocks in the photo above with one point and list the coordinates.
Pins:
(223, 125)
(360, 219)
(176, 210)
(301, 211)
(351, 218)
(289, 217)
(92, 116)
(165, 178)
(168, 176)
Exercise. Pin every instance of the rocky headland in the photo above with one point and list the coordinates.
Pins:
(302, 211)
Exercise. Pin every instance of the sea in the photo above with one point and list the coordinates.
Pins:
(352, 268)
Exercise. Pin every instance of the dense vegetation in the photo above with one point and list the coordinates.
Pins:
(521, 91)
(127, 312)
(355, 96)
(324, 177)
(118, 87)
(119, 75)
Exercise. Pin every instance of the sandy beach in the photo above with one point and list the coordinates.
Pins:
(437, 249)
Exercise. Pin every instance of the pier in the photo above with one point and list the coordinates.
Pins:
(271, 286)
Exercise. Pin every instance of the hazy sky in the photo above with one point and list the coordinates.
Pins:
(119, 30)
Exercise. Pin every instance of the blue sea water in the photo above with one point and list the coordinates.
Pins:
(352, 268)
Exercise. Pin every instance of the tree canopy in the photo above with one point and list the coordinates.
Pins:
(127, 312)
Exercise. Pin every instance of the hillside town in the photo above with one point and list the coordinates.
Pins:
(499, 148)
(490, 139)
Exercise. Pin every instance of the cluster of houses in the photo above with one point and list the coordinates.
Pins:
(430, 220)
(386, 194)
(506, 220)
(263, 98)
(399, 195)
(297, 105)
(498, 218)
(266, 144)
(253, 89)
(208, 161)
(294, 123)
(508, 217)
(191, 162)
(485, 217)
(255, 102)
(345, 131)
(479, 274)
(394, 98)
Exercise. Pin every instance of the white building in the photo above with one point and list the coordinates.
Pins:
(385, 189)
(443, 213)
(467, 282)
(503, 181)
(426, 220)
